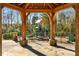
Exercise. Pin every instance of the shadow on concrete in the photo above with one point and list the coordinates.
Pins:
(64, 48)
(34, 51)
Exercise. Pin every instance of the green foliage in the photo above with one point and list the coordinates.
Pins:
(7, 35)
(15, 30)
(71, 38)
(20, 42)
(59, 33)
(45, 21)
(65, 26)
(38, 29)
(34, 19)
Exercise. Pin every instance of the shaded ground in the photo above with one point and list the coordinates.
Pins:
(37, 48)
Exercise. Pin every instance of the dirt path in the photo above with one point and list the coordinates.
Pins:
(36, 48)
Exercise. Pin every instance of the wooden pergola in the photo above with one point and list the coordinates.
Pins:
(50, 8)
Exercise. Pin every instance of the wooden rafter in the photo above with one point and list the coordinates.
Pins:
(38, 10)
(12, 6)
(32, 5)
(53, 5)
(49, 5)
(62, 7)
(44, 4)
(20, 3)
(27, 4)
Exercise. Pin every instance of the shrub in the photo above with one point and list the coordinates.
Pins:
(59, 33)
(20, 42)
(71, 38)
(7, 36)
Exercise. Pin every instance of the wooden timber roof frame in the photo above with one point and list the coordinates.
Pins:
(50, 8)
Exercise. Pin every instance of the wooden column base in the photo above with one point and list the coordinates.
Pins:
(0, 45)
(77, 54)
(24, 43)
(52, 42)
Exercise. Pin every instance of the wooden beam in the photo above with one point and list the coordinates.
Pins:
(23, 10)
(38, 10)
(24, 28)
(53, 5)
(52, 29)
(77, 30)
(49, 5)
(63, 7)
(27, 4)
(13, 6)
(0, 29)
(27, 14)
(44, 4)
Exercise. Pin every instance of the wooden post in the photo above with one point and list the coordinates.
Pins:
(24, 28)
(77, 30)
(52, 40)
(0, 29)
